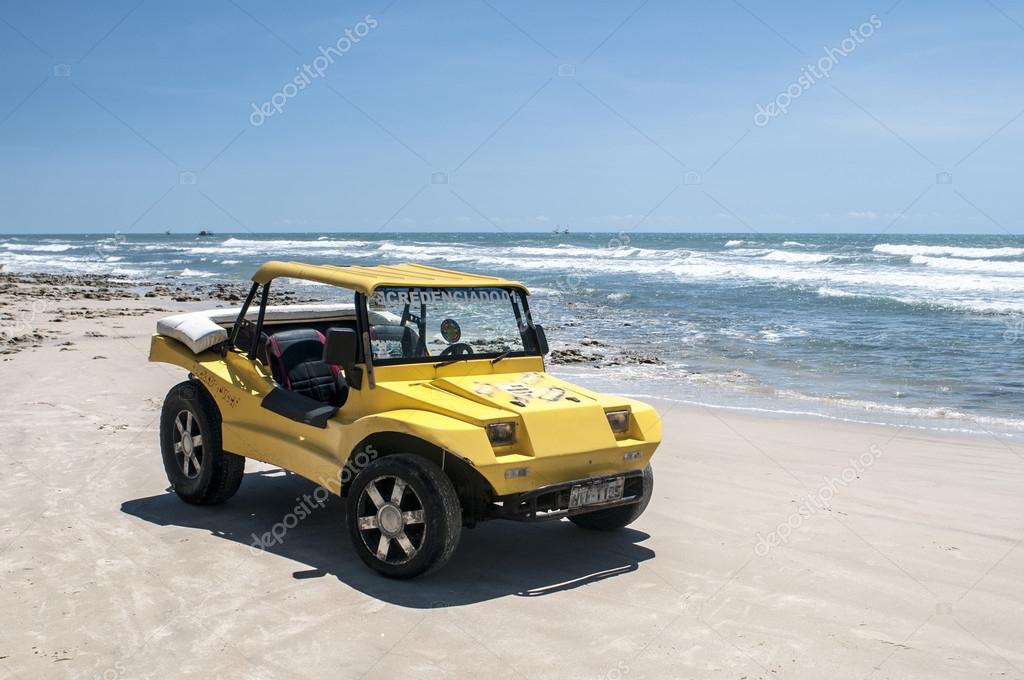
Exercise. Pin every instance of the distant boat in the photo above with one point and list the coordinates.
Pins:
(168, 232)
(203, 233)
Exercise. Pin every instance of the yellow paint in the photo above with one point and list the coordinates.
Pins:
(366, 279)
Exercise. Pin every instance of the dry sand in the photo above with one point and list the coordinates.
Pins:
(911, 569)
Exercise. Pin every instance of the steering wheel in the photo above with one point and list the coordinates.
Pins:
(457, 349)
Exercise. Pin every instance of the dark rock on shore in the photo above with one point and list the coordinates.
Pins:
(65, 287)
(614, 357)
(101, 287)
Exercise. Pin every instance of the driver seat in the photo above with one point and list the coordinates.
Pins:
(297, 362)
(390, 339)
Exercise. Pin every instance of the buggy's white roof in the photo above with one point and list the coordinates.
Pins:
(199, 331)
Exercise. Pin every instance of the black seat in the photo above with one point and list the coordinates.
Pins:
(297, 362)
(393, 341)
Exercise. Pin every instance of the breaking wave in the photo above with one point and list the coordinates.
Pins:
(952, 251)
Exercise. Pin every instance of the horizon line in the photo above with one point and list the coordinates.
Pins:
(529, 232)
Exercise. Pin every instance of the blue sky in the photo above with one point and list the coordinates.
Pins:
(469, 115)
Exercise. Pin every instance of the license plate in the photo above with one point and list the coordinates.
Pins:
(596, 494)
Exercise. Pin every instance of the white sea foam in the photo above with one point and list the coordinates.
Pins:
(528, 254)
(797, 258)
(241, 246)
(977, 306)
(924, 412)
(734, 243)
(68, 264)
(855, 278)
(427, 252)
(290, 243)
(952, 304)
(977, 265)
(38, 248)
(871, 280)
(826, 291)
(953, 251)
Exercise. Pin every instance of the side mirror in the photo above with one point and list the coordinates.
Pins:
(341, 349)
(542, 339)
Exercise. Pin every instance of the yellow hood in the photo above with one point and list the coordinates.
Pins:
(555, 417)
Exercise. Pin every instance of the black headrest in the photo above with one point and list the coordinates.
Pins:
(395, 333)
(301, 344)
(392, 332)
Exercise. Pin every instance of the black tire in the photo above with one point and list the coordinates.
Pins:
(200, 472)
(617, 518)
(428, 520)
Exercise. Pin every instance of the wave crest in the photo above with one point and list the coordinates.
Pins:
(951, 251)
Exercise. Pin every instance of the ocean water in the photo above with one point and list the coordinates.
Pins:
(919, 331)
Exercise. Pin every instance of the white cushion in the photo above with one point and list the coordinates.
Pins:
(197, 331)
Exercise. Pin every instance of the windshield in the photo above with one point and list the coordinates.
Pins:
(440, 324)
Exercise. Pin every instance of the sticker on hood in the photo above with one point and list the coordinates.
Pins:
(552, 394)
(518, 390)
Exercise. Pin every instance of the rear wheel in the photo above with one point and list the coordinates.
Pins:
(403, 516)
(616, 518)
(199, 471)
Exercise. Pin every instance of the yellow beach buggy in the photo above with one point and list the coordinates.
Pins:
(420, 396)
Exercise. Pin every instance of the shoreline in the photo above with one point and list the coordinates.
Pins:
(880, 429)
(29, 298)
(912, 424)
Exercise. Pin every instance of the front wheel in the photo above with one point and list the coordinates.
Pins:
(616, 518)
(403, 516)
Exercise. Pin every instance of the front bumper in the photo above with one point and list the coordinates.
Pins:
(552, 501)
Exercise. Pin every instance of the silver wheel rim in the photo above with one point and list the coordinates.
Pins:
(188, 444)
(389, 516)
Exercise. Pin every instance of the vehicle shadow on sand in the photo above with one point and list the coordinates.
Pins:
(495, 559)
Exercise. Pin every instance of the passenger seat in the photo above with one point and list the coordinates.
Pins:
(296, 360)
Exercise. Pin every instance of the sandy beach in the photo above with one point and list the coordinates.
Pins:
(773, 547)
